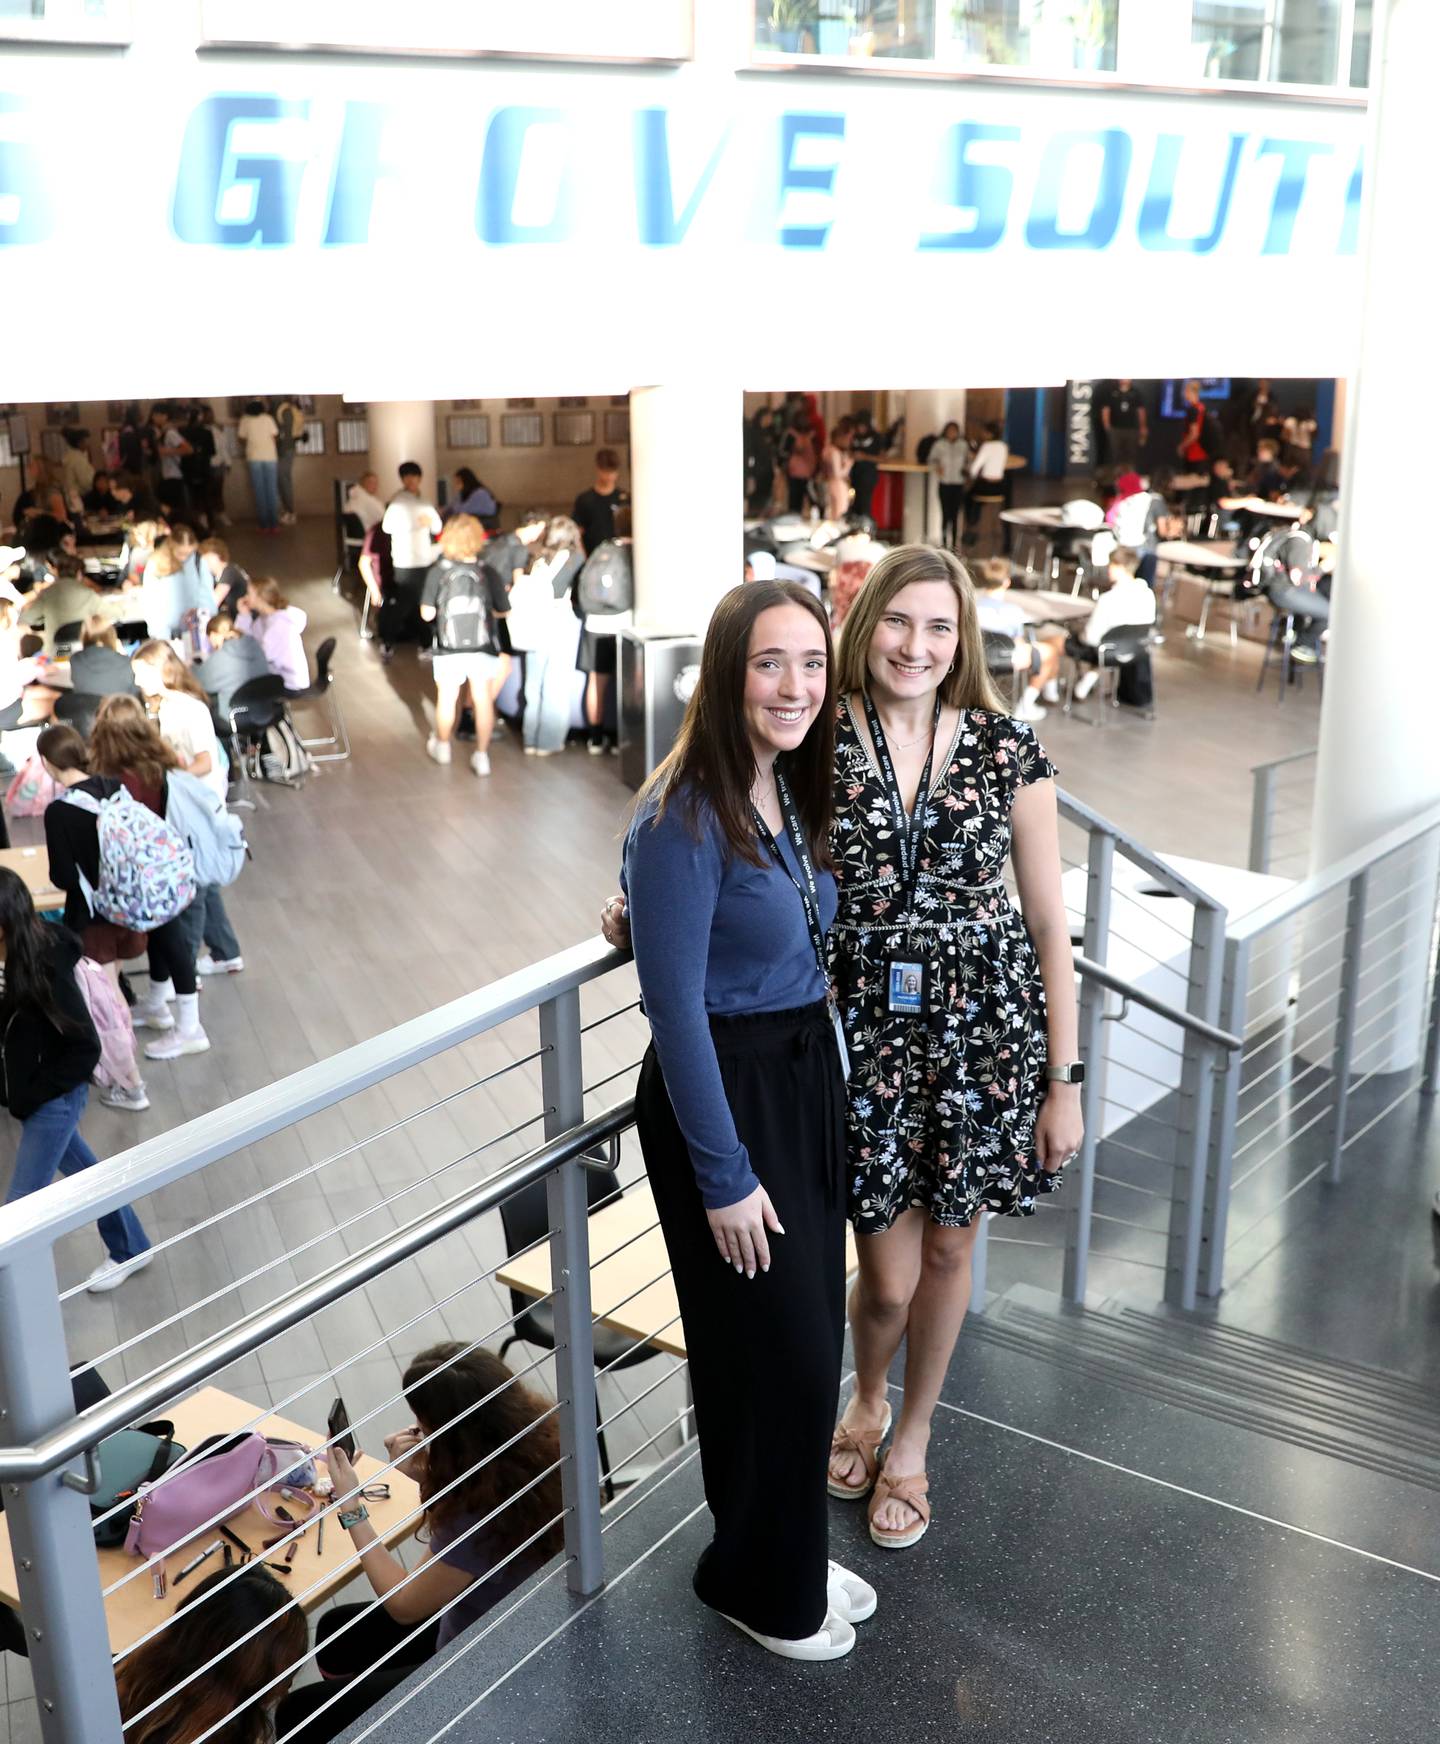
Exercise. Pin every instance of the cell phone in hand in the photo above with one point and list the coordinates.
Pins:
(338, 1428)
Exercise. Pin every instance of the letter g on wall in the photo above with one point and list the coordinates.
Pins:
(26, 214)
(237, 198)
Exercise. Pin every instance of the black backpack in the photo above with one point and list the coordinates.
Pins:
(463, 622)
(607, 582)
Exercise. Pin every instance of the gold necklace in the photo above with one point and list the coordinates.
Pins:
(909, 744)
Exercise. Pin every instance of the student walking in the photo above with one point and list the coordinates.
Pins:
(740, 1104)
(48, 1049)
(259, 436)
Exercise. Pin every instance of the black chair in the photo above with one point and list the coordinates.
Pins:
(256, 706)
(323, 691)
(349, 536)
(1282, 569)
(1000, 661)
(525, 1217)
(77, 708)
(67, 637)
(1121, 647)
(131, 632)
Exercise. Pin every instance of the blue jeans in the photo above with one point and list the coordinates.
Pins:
(549, 689)
(49, 1141)
(263, 482)
(206, 919)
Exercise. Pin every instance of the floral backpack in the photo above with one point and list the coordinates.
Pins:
(147, 873)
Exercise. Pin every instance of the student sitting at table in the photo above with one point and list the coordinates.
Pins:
(487, 1439)
(278, 628)
(98, 667)
(234, 1700)
(1001, 617)
(100, 502)
(231, 583)
(1128, 602)
(234, 660)
(69, 598)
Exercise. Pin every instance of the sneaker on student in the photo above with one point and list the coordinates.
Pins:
(1029, 711)
(152, 1013)
(480, 762)
(286, 518)
(219, 965)
(110, 1274)
(121, 1096)
(596, 747)
(177, 1043)
(439, 749)
(1085, 684)
(1051, 692)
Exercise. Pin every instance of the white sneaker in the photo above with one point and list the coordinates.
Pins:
(1051, 692)
(219, 965)
(152, 1013)
(121, 1096)
(178, 1042)
(850, 1597)
(480, 762)
(287, 519)
(1030, 711)
(439, 749)
(110, 1274)
(1085, 685)
(832, 1640)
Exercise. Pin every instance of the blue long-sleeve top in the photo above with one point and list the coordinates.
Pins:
(713, 935)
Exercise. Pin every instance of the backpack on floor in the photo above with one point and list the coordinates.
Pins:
(147, 874)
(1136, 685)
(214, 836)
(281, 756)
(111, 1017)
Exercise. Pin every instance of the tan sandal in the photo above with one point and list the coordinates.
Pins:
(865, 1445)
(912, 1492)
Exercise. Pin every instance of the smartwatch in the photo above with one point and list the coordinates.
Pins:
(1074, 1073)
(351, 1517)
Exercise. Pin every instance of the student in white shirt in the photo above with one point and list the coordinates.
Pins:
(987, 475)
(413, 525)
(258, 434)
(949, 456)
(1128, 602)
(363, 501)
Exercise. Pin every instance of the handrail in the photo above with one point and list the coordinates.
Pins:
(75, 1200)
(1220, 1038)
(1299, 896)
(246, 1336)
(1279, 762)
(1079, 813)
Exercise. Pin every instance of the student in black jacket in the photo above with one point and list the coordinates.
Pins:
(48, 1049)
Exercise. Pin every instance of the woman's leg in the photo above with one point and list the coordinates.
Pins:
(795, 494)
(447, 702)
(879, 1305)
(182, 944)
(937, 1312)
(352, 1638)
(44, 1138)
(536, 674)
(216, 930)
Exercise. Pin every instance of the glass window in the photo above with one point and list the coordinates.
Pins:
(1360, 43)
(104, 21)
(1041, 35)
(1288, 42)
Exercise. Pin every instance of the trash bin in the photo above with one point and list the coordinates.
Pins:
(657, 679)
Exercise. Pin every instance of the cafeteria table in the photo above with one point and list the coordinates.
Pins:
(33, 865)
(133, 1610)
(1217, 566)
(1040, 607)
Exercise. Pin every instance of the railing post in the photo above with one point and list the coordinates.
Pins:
(1344, 1049)
(1192, 1136)
(1080, 1188)
(1233, 994)
(979, 1264)
(562, 1084)
(62, 1611)
(1262, 816)
(1430, 1072)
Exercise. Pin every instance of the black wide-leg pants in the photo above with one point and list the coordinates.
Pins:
(765, 1353)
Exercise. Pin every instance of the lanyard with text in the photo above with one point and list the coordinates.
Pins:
(808, 889)
(907, 830)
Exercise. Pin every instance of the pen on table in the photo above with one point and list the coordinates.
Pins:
(195, 1561)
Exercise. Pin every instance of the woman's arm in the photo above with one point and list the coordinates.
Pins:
(434, 1585)
(1035, 853)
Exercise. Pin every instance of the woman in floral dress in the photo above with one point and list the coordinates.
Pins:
(958, 1014)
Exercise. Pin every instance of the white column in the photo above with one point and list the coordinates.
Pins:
(687, 485)
(927, 412)
(1379, 758)
(402, 430)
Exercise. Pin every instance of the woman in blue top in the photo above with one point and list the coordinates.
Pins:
(741, 1100)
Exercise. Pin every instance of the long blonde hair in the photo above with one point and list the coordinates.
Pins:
(969, 684)
(174, 673)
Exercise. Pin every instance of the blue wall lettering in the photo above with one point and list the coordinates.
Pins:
(793, 127)
(654, 192)
(1350, 225)
(21, 181)
(500, 175)
(1156, 207)
(1042, 229)
(358, 167)
(1295, 156)
(978, 187)
(209, 170)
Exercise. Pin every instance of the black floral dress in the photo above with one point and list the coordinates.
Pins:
(942, 1109)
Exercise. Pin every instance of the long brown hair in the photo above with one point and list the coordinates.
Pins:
(197, 1631)
(969, 685)
(124, 740)
(170, 555)
(441, 1384)
(174, 673)
(713, 761)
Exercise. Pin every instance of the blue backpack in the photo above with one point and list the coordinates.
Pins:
(214, 836)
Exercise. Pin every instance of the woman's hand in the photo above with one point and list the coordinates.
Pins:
(739, 1231)
(615, 924)
(399, 1447)
(1060, 1130)
(342, 1474)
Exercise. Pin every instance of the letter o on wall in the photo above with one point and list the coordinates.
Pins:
(1042, 229)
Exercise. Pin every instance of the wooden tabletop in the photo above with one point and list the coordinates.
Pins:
(1040, 607)
(133, 1610)
(33, 865)
(1193, 556)
(1034, 517)
(618, 1272)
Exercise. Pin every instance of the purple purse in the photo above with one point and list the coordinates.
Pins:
(215, 1479)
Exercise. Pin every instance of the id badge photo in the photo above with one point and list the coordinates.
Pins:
(905, 989)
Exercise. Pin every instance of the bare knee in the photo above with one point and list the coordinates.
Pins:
(947, 1252)
(885, 1298)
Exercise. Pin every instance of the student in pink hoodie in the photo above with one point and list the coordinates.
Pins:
(277, 626)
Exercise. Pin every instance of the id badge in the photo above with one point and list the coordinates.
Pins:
(904, 988)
